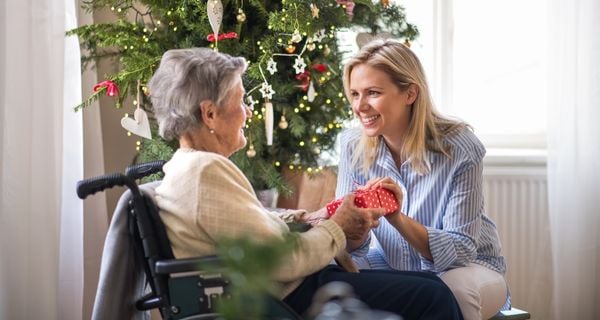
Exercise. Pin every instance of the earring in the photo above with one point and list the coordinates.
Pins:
(212, 131)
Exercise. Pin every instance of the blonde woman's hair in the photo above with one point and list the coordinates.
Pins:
(427, 127)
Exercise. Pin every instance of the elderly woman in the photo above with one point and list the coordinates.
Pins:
(197, 95)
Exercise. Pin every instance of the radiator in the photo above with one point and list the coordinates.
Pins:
(516, 199)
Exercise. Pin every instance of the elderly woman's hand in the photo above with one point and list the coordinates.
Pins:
(313, 218)
(356, 222)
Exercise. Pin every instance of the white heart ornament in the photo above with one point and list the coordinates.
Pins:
(139, 125)
(214, 10)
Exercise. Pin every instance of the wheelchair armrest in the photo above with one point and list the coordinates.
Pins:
(187, 265)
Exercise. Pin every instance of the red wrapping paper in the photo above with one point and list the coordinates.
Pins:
(372, 198)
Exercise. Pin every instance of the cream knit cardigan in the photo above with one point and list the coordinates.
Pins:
(204, 197)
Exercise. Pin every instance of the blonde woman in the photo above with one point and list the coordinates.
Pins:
(434, 166)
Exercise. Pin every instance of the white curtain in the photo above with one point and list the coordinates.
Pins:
(41, 158)
(574, 156)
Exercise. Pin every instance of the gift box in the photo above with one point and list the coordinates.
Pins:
(371, 198)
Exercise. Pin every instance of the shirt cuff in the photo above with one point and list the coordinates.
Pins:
(442, 251)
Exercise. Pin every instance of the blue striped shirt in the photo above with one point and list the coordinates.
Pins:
(448, 201)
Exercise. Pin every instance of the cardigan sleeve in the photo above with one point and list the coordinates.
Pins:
(228, 207)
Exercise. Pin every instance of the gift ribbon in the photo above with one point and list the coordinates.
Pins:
(228, 35)
(111, 88)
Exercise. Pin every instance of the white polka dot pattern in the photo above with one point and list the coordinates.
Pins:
(373, 198)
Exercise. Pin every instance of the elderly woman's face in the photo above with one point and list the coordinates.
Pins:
(232, 120)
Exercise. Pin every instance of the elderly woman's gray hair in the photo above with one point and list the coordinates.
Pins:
(185, 78)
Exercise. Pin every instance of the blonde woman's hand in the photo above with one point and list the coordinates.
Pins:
(389, 184)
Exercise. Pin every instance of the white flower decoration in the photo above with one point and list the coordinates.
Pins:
(271, 66)
(299, 65)
(267, 91)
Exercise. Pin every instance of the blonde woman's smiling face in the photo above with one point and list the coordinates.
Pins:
(381, 106)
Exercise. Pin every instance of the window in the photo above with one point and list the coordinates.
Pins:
(485, 64)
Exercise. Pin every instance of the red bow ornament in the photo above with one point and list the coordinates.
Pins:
(111, 88)
(319, 67)
(304, 79)
(349, 6)
(228, 35)
(371, 198)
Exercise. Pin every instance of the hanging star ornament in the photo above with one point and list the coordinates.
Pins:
(267, 91)
(299, 65)
(314, 10)
(319, 35)
(250, 101)
(271, 66)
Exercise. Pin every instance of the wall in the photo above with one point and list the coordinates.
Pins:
(107, 148)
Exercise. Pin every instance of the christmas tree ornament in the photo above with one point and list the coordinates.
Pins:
(266, 91)
(311, 46)
(319, 35)
(311, 92)
(321, 67)
(268, 114)
(283, 124)
(304, 79)
(296, 36)
(112, 89)
(290, 48)
(214, 10)
(241, 16)
(314, 10)
(139, 125)
(250, 102)
(271, 66)
(348, 5)
(251, 153)
(229, 35)
(326, 50)
(299, 65)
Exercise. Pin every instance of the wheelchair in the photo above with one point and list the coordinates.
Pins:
(139, 271)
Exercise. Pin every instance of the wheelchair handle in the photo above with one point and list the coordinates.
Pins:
(141, 170)
(97, 184)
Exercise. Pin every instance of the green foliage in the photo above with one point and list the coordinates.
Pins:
(250, 265)
(145, 29)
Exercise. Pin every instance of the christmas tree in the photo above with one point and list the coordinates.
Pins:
(294, 76)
